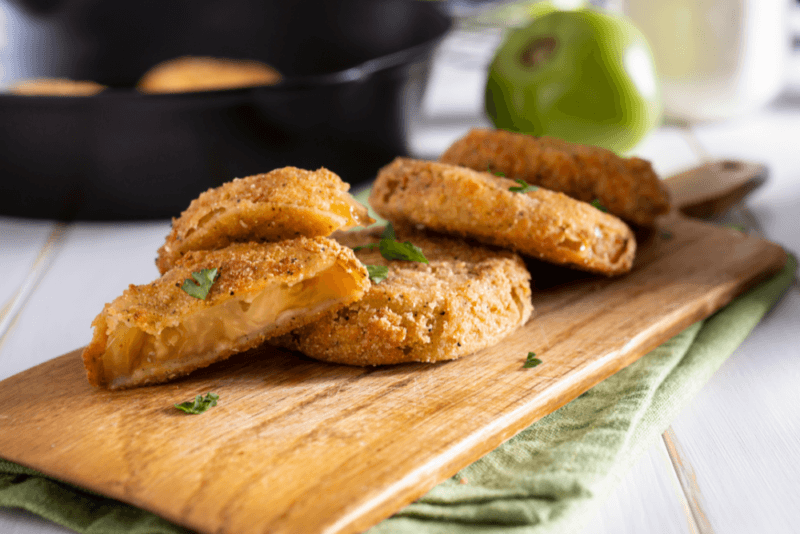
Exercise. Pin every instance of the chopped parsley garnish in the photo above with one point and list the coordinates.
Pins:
(532, 360)
(388, 232)
(377, 273)
(666, 234)
(496, 173)
(199, 405)
(395, 250)
(596, 204)
(392, 249)
(204, 279)
(738, 227)
(524, 187)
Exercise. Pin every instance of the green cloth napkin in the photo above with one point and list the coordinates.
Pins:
(547, 479)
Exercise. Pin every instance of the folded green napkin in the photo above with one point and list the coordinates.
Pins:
(549, 478)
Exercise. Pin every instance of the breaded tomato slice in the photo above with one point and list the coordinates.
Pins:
(541, 223)
(156, 332)
(627, 187)
(466, 298)
(282, 204)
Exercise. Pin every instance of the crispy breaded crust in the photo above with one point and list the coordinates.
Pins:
(469, 297)
(244, 269)
(627, 187)
(282, 204)
(188, 74)
(56, 87)
(542, 224)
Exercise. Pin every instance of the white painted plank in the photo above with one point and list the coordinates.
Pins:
(20, 243)
(15, 521)
(648, 499)
(96, 263)
(742, 433)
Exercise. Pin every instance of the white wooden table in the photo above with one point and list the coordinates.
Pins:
(729, 464)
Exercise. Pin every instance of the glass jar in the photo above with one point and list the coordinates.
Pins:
(715, 58)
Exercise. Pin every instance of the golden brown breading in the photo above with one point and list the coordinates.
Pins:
(56, 87)
(188, 74)
(467, 298)
(627, 187)
(156, 332)
(282, 204)
(542, 224)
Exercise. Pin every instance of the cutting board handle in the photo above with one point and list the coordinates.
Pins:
(713, 188)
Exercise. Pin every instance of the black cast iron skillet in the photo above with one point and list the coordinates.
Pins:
(353, 75)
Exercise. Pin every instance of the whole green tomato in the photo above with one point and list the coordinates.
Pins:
(583, 76)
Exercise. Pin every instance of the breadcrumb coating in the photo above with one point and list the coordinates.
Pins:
(466, 298)
(160, 313)
(542, 224)
(282, 204)
(627, 187)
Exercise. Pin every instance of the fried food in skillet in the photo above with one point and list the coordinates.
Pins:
(281, 204)
(467, 298)
(543, 224)
(156, 332)
(627, 187)
(188, 74)
(56, 87)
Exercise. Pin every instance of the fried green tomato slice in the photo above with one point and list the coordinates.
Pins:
(627, 187)
(282, 204)
(542, 224)
(466, 298)
(156, 332)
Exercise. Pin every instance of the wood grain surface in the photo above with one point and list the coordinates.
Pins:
(302, 446)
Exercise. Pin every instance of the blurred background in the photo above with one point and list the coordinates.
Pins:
(715, 60)
(362, 83)
(352, 74)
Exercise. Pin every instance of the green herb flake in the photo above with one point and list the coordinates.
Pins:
(666, 234)
(388, 232)
(362, 247)
(204, 279)
(395, 250)
(532, 360)
(524, 187)
(737, 227)
(377, 273)
(596, 204)
(392, 249)
(199, 405)
(496, 173)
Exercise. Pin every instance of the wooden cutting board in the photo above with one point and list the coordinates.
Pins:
(302, 446)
